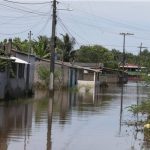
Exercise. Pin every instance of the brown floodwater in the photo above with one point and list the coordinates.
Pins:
(73, 120)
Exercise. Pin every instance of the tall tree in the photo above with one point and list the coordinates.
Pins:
(96, 54)
(67, 45)
(41, 46)
(21, 45)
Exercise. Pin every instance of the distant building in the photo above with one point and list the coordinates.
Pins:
(133, 71)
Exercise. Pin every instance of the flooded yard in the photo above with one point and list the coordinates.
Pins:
(73, 120)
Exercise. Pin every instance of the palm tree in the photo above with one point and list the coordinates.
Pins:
(20, 45)
(41, 46)
(67, 47)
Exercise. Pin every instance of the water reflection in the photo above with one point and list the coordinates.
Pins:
(14, 118)
(49, 123)
(67, 120)
(121, 108)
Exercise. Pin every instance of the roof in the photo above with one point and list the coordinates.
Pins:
(18, 60)
(5, 58)
(130, 66)
(19, 52)
(68, 64)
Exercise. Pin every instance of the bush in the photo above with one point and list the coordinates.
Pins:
(43, 74)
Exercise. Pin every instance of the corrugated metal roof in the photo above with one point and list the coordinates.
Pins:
(18, 60)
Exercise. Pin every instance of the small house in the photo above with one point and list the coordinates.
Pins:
(14, 77)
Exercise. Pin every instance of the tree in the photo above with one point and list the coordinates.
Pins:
(41, 46)
(96, 54)
(20, 45)
(66, 44)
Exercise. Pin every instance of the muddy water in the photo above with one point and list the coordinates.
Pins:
(73, 121)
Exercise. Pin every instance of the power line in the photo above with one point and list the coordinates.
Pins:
(102, 29)
(30, 28)
(14, 19)
(18, 17)
(27, 8)
(115, 22)
(64, 26)
(19, 9)
(37, 3)
(45, 25)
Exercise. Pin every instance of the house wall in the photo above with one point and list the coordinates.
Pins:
(64, 76)
(61, 70)
(88, 76)
(39, 64)
(12, 87)
(3, 83)
(31, 60)
(109, 78)
(72, 77)
(17, 87)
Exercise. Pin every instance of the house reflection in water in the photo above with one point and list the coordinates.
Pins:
(15, 119)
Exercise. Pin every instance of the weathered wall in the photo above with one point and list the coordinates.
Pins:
(62, 72)
(31, 60)
(3, 83)
(17, 87)
(37, 65)
(111, 78)
(12, 87)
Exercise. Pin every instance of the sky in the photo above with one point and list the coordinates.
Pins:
(89, 22)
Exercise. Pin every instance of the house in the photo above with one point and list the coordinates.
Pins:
(14, 77)
(133, 71)
(31, 59)
(106, 75)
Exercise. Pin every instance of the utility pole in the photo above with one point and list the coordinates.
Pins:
(139, 64)
(124, 38)
(123, 61)
(141, 47)
(29, 50)
(53, 45)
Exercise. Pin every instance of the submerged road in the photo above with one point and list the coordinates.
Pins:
(73, 120)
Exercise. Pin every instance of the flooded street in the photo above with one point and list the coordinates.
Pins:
(73, 121)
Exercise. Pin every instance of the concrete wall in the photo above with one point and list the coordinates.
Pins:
(111, 78)
(61, 80)
(85, 75)
(17, 87)
(3, 83)
(31, 60)
(39, 64)
(64, 76)
(12, 87)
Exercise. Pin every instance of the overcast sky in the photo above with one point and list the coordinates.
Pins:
(89, 22)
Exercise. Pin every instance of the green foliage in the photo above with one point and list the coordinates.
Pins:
(57, 74)
(144, 59)
(41, 47)
(66, 46)
(3, 64)
(143, 108)
(146, 78)
(44, 73)
(96, 54)
(20, 45)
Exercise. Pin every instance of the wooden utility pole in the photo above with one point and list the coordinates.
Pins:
(53, 45)
(139, 64)
(29, 50)
(141, 47)
(124, 38)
